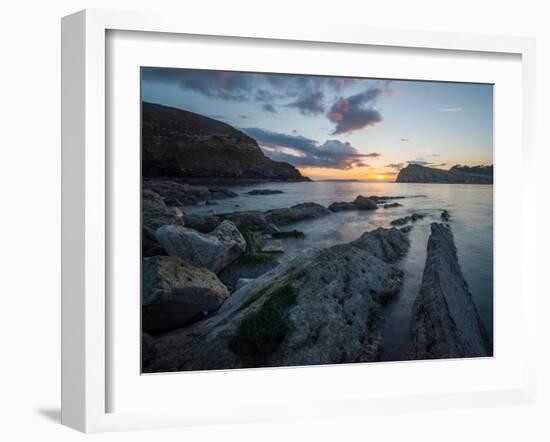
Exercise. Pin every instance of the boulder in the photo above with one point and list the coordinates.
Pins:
(154, 211)
(213, 251)
(445, 215)
(252, 219)
(323, 307)
(445, 321)
(360, 203)
(175, 293)
(201, 223)
(364, 203)
(341, 206)
(298, 212)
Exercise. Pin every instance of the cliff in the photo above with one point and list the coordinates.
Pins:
(177, 143)
(415, 173)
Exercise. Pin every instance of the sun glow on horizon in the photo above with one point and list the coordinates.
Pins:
(320, 173)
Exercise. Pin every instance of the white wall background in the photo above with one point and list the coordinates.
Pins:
(30, 219)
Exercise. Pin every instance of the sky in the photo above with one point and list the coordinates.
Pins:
(339, 127)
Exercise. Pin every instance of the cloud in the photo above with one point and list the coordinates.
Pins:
(450, 109)
(396, 166)
(268, 90)
(268, 107)
(404, 140)
(419, 162)
(373, 155)
(311, 104)
(355, 112)
(305, 152)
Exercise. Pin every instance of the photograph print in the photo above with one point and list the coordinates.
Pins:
(299, 220)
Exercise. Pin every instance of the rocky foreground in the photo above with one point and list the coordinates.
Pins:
(322, 308)
(214, 295)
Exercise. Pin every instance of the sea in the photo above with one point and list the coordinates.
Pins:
(470, 207)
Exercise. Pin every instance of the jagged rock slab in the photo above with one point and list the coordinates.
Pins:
(174, 293)
(445, 321)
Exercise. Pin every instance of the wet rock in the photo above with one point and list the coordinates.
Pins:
(174, 293)
(149, 243)
(391, 205)
(147, 348)
(154, 211)
(251, 219)
(287, 234)
(298, 212)
(274, 246)
(411, 218)
(364, 203)
(389, 245)
(213, 251)
(445, 215)
(406, 229)
(242, 282)
(183, 194)
(264, 192)
(201, 223)
(249, 266)
(323, 307)
(400, 221)
(360, 203)
(445, 322)
(341, 206)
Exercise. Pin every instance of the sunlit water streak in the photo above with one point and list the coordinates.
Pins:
(471, 209)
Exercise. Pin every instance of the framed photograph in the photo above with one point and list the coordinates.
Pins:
(276, 223)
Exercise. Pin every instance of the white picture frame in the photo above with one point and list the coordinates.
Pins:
(85, 201)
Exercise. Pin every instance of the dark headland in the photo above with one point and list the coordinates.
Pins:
(415, 173)
(185, 145)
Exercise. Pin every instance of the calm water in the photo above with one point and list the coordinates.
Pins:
(471, 209)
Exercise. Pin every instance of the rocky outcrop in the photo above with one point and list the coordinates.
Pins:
(415, 173)
(323, 307)
(445, 322)
(389, 245)
(406, 219)
(298, 212)
(391, 205)
(177, 143)
(183, 194)
(213, 251)
(155, 212)
(360, 203)
(174, 293)
(264, 192)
